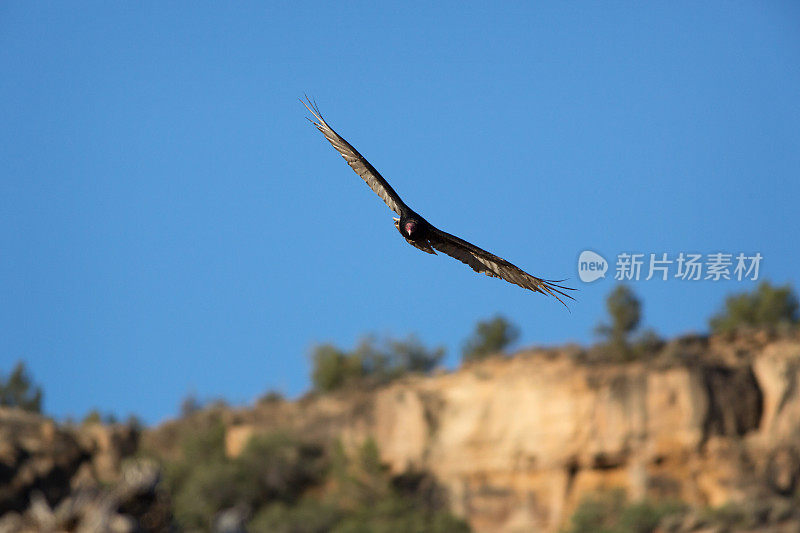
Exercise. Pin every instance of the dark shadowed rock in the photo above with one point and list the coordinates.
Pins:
(75, 479)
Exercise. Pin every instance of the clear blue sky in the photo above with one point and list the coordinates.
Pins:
(170, 223)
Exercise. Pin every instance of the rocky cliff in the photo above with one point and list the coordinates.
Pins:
(518, 441)
(80, 478)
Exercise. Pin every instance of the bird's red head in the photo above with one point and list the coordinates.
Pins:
(411, 227)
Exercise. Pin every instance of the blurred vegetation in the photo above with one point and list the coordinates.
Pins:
(490, 337)
(96, 417)
(92, 417)
(287, 485)
(729, 515)
(625, 314)
(610, 512)
(18, 390)
(134, 422)
(271, 396)
(766, 306)
(371, 363)
(190, 404)
(625, 311)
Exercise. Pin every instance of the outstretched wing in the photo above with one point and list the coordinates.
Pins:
(362, 167)
(482, 261)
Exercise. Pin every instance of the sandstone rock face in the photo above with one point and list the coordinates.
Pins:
(516, 442)
(519, 441)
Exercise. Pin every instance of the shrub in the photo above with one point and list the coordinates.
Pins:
(597, 513)
(93, 417)
(278, 467)
(272, 468)
(271, 396)
(295, 487)
(410, 355)
(490, 337)
(394, 513)
(134, 422)
(726, 516)
(333, 368)
(190, 405)
(207, 489)
(625, 313)
(370, 502)
(191, 480)
(609, 512)
(18, 390)
(645, 516)
(768, 306)
(371, 363)
(646, 344)
(310, 515)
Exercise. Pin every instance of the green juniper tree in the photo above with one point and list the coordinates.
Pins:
(625, 311)
(490, 336)
(18, 390)
(371, 362)
(767, 306)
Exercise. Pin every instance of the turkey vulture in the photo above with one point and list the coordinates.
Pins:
(421, 233)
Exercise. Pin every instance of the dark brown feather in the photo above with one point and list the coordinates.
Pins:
(487, 263)
(357, 162)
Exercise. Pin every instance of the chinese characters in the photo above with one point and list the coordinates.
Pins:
(687, 266)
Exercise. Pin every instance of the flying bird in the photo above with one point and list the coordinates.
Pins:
(422, 234)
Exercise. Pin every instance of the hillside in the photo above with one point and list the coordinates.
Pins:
(513, 443)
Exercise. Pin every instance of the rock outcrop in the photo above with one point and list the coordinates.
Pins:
(517, 442)
(75, 478)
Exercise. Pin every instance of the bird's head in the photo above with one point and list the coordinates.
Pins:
(411, 227)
